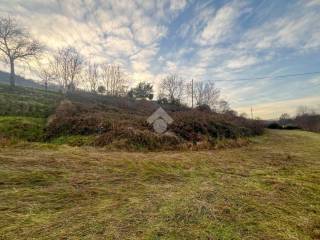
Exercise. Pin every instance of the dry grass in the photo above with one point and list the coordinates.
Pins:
(269, 189)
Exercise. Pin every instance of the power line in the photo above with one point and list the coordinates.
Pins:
(266, 77)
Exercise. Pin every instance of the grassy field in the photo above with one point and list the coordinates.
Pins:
(269, 189)
(22, 101)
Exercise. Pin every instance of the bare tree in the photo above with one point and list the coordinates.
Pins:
(45, 75)
(92, 76)
(206, 93)
(16, 44)
(44, 71)
(67, 66)
(284, 119)
(114, 80)
(172, 88)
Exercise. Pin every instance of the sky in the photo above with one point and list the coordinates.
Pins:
(201, 40)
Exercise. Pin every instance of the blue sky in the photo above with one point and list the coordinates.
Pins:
(204, 40)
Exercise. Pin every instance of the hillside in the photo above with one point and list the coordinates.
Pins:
(25, 82)
(23, 101)
(20, 81)
(82, 118)
(267, 190)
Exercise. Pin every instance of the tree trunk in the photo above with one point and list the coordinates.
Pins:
(12, 74)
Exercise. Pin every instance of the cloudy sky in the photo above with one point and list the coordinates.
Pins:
(204, 40)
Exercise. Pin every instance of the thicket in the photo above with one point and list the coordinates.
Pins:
(124, 123)
(308, 122)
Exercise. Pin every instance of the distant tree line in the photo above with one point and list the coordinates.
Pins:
(306, 118)
(174, 90)
(68, 70)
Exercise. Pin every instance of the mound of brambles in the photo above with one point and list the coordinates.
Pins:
(195, 126)
(114, 126)
(78, 119)
(138, 139)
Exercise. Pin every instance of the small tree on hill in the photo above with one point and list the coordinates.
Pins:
(43, 71)
(172, 88)
(67, 66)
(143, 91)
(101, 89)
(113, 79)
(92, 76)
(205, 92)
(45, 75)
(284, 119)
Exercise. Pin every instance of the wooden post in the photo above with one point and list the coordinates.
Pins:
(251, 113)
(192, 93)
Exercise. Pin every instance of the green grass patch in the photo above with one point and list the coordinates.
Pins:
(22, 128)
(23, 101)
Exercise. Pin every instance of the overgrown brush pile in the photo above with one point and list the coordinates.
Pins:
(122, 124)
(195, 126)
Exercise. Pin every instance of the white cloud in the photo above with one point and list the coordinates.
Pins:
(241, 62)
(315, 80)
(147, 34)
(201, 16)
(141, 61)
(311, 3)
(297, 30)
(177, 5)
(118, 46)
(220, 26)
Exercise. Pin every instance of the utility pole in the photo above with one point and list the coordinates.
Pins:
(192, 92)
(251, 113)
